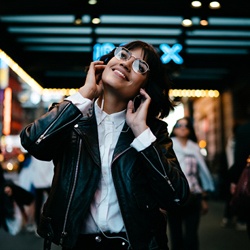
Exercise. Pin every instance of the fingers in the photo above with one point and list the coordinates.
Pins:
(145, 99)
(97, 65)
(94, 63)
(93, 83)
(130, 107)
(95, 69)
(145, 95)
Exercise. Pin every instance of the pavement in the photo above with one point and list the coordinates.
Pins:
(212, 235)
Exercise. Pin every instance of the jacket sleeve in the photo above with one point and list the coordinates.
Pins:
(43, 137)
(166, 177)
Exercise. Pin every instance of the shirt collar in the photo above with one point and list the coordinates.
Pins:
(117, 118)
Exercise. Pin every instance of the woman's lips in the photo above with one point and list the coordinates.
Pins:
(120, 74)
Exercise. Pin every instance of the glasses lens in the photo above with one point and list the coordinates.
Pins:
(181, 125)
(140, 66)
(122, 54)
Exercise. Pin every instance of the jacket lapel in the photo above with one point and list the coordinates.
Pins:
(87, 129)
(125, 139)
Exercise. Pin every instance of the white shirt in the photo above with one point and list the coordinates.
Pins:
(105, 213)
(41, 173)
(189, 156)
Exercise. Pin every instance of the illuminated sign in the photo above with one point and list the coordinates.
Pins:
(102, 49)
(4, 74)
(7, 104)
(169, 53)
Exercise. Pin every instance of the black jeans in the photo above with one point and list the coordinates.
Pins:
(101, 242)
(184, 225)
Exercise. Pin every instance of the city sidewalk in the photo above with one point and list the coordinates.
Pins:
(212, 236)
(215, 237)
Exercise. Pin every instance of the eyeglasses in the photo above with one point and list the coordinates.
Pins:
(139, 66)
(178, 125)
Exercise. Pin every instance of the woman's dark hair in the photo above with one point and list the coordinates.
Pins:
(158, 83)
(192, 135)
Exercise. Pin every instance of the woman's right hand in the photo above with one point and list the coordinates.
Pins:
(93, 83)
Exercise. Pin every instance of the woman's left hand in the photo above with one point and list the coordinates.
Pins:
(136, 119)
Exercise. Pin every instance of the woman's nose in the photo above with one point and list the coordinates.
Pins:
(128, 64)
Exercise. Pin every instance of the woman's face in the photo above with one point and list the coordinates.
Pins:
(120, 78)
(181, 129)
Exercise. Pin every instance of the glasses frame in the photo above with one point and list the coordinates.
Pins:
(116, 52)
(181, 126)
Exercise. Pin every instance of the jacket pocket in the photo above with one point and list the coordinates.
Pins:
(144, 202)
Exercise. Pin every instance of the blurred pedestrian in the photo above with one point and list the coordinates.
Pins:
(13, 198)
(6, 207)
(241, 154)
(230, 219)
(25, 181)
(184, 221)
(41, 174)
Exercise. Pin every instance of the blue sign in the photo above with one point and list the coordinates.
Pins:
(169, 53)
(102, 49)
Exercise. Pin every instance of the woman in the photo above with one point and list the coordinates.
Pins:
(6, 205)
(241, 160)
(200, 182)
(12, 195)
(114, 163)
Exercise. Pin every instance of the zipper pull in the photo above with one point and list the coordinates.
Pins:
(40, 139)
(169, 182)
(63, 235)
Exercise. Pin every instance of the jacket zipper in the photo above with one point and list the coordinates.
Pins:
(44, 135)
(64, 233)
(165, 176)
(116, 193)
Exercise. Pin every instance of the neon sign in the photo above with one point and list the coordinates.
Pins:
(102, 49)
(169, 53)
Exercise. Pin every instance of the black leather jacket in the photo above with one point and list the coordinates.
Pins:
(144, 181)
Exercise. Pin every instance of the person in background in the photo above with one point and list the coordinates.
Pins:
(6, 206)
(184, 221)
(115, 169)
(41, 174)
(241, 154)
(24, 181)
(12, 195)
(230, 218)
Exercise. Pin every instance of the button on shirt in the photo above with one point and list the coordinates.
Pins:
(105, 213)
